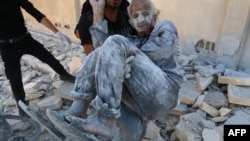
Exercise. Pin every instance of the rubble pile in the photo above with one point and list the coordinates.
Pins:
(210, 97)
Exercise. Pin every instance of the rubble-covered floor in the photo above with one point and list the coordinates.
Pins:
(210, 97)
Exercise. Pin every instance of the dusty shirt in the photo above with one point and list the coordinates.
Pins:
(159, 47)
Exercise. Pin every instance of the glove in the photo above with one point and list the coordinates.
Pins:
(63, 38)
(127, 68)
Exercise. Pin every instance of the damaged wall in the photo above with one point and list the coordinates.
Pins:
(234, 28)
(204, 18)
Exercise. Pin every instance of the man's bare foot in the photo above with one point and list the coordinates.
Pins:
(78, 108)
(100, 125)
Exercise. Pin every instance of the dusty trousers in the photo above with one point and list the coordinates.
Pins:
(149, 91)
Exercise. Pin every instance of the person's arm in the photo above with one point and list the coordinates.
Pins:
(62, 37)
(98, 10)
(77, 34)
(88, 48)
(99, 28)
(47, 23)
(40, 17)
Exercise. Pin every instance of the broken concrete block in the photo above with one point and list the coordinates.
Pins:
(202, 82)
(216, 99)
(229, 72)
(34, 101)
(224, 112)
(219, 119)
(64, 90)
(184, 61)
(51, 102)
(27, 78)
(241, 81)
(29, 97)
(206, 71)
(198, 101)
(207, 124)
(188, 92)
(188, 128)
(188, 76)
(179, 110)
(239, 118)
(239, 95)
(75, 64)
(209, 109)
(30, 87)
(9, 102)
(214, 134)
(56, 84)
(153, 132)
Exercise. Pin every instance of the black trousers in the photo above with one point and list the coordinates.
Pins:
(11, 55)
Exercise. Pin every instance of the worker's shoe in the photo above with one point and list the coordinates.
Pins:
(71, 133)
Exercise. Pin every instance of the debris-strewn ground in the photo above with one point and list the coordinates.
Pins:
(210, 97)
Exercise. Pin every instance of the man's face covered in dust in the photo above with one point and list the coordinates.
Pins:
(142, 18)
(113, 4)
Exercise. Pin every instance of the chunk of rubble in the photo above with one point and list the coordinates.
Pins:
(215, 134)
(179, 109)
(209, 109)
(239, 95)
(31, 87)
(240, 81)
(206, 71)
(188, 129)
(203, 82)
(229, 72)
(188, 92)
(239, 118)
(153, 133)
(216, 99)
(29, 97)
(51, 102)
(224, 112)
(64, 90)
(75, 63)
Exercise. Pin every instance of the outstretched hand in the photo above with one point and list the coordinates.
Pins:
(98, 10)
(127, 68)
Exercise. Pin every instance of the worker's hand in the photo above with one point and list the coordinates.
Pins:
(98, 10)
(63, 38)
(127, 68)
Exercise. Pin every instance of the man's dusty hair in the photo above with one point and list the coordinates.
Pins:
(149, 2)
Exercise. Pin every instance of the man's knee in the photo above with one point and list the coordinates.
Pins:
(117, 40)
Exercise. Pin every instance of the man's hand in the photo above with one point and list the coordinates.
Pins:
(127, 68)
(63, 38)
(98, 10)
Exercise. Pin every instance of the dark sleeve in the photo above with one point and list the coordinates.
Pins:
(124, 5)
(83, 26)
(28, 6)
(86, 7)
